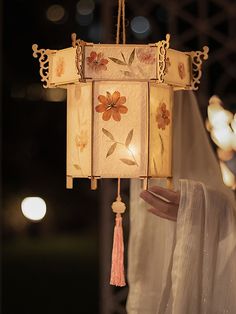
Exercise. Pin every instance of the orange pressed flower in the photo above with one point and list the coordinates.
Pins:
(111, 106)
(96, 62)
(81, 140)
(60, 67)
(162, 116)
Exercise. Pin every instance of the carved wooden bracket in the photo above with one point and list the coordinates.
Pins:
(79, 44)
(162, 47)
(43, 55)
(197, 58)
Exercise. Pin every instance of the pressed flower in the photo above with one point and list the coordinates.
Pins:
(60, 67)
(146, 55)
(162, 116)
(181, 70)
(81, 140)
(111, 106)
(168, 64)
(96, 62)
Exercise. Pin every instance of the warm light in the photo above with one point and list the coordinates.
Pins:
(233, 125)
(55, 95)
(55, 13)
(132, 150)
(223, 137)
(33, 208)
(233, 141)
(227, 175)
(219, 117)
(208, 125)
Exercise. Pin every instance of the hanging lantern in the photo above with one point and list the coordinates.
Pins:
(119, 112)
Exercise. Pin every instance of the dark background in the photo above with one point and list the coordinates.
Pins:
(57, 265)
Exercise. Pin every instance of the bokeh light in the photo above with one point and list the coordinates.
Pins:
(55, 13)
(54, 94)
(85, 7)
(140, 27)
(33, 208)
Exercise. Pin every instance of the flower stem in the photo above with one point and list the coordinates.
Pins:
(128, 150)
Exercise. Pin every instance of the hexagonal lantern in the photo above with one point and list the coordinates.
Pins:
(119, 105)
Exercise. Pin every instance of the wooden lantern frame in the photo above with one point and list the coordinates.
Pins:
(75, 56)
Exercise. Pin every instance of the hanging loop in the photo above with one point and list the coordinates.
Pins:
(121, 12)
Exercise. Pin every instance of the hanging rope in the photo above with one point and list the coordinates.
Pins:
(121, 11)
(118, 190)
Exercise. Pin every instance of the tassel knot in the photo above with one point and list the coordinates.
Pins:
(117, 267)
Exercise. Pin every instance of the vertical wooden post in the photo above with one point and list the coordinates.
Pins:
(69, 182)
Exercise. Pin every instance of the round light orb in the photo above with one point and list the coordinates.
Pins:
(54, 94)
(33, 208)
(85, 7)
(55, 13)
(140, 25)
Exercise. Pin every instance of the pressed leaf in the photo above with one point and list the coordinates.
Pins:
(131, 57)
(123, 56)
(162, 144)
(108, 94)
(128, 162)
(108, 134)
(77, 167)
(141, 71)
(129, 138)
(155, 166)
(120, 62)
(111, 150)
(127, 73)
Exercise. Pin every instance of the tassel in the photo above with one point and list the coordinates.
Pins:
(117, 265)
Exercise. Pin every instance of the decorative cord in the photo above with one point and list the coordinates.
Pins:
(121, 11)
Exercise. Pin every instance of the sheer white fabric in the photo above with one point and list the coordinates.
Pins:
(188, 266)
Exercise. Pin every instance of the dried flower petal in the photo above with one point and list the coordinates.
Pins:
(111, 106)
(162, 116)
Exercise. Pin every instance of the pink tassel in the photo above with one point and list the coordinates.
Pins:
(117, 267)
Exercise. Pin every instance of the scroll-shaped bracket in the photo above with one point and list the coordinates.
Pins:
(162, 47)
(197, 58)
(79, 44)
(43, 62)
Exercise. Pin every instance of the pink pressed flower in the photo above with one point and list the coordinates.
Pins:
(162, 116)
(146, 55)
(96, 62)
(181, 70)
